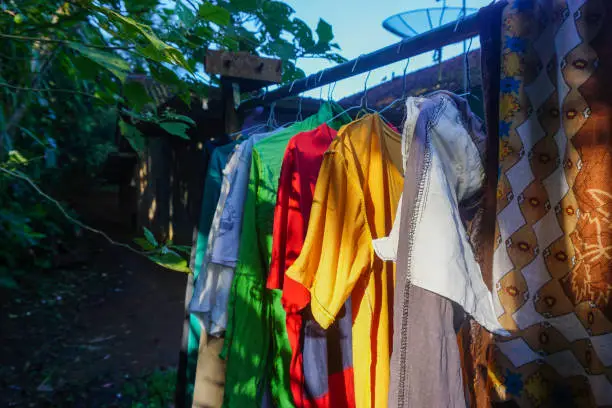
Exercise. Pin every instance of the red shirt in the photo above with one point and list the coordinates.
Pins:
(298, 178)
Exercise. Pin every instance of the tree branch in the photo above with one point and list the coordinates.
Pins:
(56, 41)
(23, 177)
(20, 112)
(71, 91)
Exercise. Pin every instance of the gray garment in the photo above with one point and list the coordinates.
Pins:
(426, 362)
(432, 360)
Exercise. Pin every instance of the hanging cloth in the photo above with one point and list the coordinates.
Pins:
(217, 157)
(355, 199)
(552, 259)
(212, 288)
(248, 336)
(317, 378)
(438, 278)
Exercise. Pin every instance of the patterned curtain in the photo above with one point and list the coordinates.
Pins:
(552, 262)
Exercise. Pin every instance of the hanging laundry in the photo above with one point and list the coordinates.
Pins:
(217, 157)
(212, 289)
(200, 347)
(442, 191)
(209, 301)
(212, 190)
(317, 378)
(355, 199)
(552, 260)
(249, 333)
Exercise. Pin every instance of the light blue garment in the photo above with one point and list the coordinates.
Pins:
(225, 249)
(211, 293)
(212, 188)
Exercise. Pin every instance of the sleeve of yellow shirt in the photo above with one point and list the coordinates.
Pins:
(337, 249)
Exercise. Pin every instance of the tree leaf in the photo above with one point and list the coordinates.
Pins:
(185, 15)
(164, 75)
(32, 135)
(184, 249)
(176, 116)
(163, 51)
(136, 94)
(303, 34)
(282, 49)
(134, 137)
(16, 157)
(176, 128)
(86, 69)
(150, 237)
(214, 14)
(8, 283)
(276, 17)
(324, 32)
(245, 6)
(115, 64)
(144, 244)
(171, 260)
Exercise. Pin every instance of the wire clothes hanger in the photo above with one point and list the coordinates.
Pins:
(404, 89)
(259, 126)
(321, 88)
(298, 116)
(467, 87)
(361, 102)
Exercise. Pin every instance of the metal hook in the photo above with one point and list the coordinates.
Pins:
(299, 116)
(321, 76)
(320, 95)
(330, 91)
(320, 87)
(467, 85)
(404, 78)
(399, 46)
(460, 19)
(355, 64)
(291, 87)
(271, 118)
(364, 98)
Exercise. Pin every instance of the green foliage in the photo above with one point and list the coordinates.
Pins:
(29, 233)
(155, 390)
(118, 66)
(167, 254)
(214, 14)
(65, 73)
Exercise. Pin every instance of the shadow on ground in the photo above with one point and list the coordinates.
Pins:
(98, 331)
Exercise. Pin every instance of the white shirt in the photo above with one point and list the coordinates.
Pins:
(442, 260)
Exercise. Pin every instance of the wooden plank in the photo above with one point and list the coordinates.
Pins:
(230, 114)
(242, 65)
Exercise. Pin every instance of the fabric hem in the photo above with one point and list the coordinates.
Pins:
(320, 313)
(230, 263)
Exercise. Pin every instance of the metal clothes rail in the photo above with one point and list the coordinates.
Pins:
(447, 34)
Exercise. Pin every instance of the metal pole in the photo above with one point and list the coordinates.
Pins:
(445, 35)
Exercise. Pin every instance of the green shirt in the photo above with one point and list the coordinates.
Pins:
(256, 326)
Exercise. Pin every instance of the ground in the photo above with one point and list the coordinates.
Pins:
(103, 329)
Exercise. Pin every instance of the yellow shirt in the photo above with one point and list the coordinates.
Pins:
(355, 201)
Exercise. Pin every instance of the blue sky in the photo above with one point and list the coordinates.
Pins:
(358, 29)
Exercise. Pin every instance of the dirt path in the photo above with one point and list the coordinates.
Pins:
(91, 334)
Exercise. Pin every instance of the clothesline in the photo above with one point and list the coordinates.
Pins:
(454, 32)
